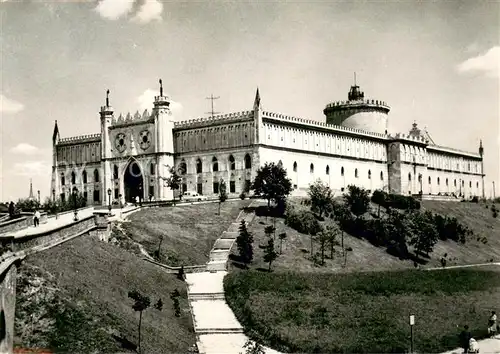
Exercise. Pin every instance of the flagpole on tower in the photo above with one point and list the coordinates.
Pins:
(212, 98)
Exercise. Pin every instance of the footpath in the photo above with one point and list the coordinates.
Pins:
(216, 327)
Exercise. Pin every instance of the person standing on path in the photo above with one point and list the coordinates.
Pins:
(492, 324)
(36, 218)
(464, 338)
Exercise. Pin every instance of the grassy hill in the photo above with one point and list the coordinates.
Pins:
(77, 295)
(188, 231)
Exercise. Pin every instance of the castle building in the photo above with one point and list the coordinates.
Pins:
(132, 155)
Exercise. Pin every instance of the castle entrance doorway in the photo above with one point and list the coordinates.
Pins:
(133, 182)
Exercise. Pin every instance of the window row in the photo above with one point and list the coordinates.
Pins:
(215, 164)
(342, 171)
(84, 177)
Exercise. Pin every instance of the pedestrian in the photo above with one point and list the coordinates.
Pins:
(11, 209)
(473, 346)
(36, 218)
(492, 324)
(464, 338)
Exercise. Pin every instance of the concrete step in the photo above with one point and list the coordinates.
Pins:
(219, 255)
(223, 244)
(229, 235)
(206, 296)
(201, 331)
(216, 266)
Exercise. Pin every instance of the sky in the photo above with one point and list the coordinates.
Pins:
(436, 63)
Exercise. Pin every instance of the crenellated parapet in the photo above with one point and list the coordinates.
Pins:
(441, 149)
(132, 118)
(314, 123)
(358, 103)
(409, 138)
(80, 139)
(221, 118)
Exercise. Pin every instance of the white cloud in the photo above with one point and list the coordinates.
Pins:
(146, 102)
(150, 10)
(31, 168)
(25, 149)
(487, 63)
(8, 105)
(114, 9)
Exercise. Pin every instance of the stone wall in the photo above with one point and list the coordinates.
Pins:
(7, 308)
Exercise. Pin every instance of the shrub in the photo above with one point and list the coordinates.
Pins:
(395, 201)
(303, 221)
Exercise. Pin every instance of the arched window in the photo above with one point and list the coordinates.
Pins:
(73, 177)
(84, 176)
(356, 173)
(63, 179)
(409, 177)
(248, 161)
(470, 184)
(463, 183)
(96, 175)
(215, 164)
(477, 184)
(438, 181)
(152, 169)
(327, 169)
(311, 168)
(430, 180)
(115, 172)
(342, 171)
(447, 182)
(295, 166)
(199, 166)
(455, 182)
(182, 167)
(232, 163)
(369, 174)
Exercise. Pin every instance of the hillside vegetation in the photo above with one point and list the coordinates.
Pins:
(73, 299)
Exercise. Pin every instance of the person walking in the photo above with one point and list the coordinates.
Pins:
(492, 324)
(36, 218)
(465, 337)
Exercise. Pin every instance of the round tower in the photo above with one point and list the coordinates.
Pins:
(358, 112)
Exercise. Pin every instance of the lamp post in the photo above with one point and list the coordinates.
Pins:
(121, 204)
(74, 204)
(109, 201)
(54, 195)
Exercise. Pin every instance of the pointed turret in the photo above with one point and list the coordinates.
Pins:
(31, 190)
(481, 149)
(257, 117)
(55, 135)
(256, 102)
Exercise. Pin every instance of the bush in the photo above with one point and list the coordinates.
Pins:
(303, 221)
(395, 201)
(243, 195)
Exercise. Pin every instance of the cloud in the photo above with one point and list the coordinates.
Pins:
(8, 105)
(114, 9)
(31, 168)
(25, 149)
(150, 10)
(146, 100)
(487, 63)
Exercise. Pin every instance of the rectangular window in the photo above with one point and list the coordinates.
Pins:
(199, 188)
(97, 197)
(151, 191)
(116, 193)
(85, 195)
(63, 197)
(216, 187)
(232, 187)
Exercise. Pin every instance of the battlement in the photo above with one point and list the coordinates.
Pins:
(106, 109)
(315, 123)
(214, 119)
(162, 99)
(357, 103)
(80, 139)
(453, 151)
(129, 118)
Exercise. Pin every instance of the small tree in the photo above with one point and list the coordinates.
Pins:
(282, 237)
(378, 197)
(269, 254)
(323, 239)
(141, 303)
(321, 198)
(174, 180)
(424, 233)
(222, 193)
(174, 296)
(332, 231)
(269, 230)
(357, 200)
(244, 242)
(271, 182)
(253, 348)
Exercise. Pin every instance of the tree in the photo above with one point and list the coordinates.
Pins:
(378, 197)
(141, 303)
(321, 198)
(269, 254)
(244, 242)
(253, 348)
(272, 183)
(357, 200)
(332, 230)
(342, 216)
(174, 180)
(222, 193)
(323, 239)
(282, 236)
(424, 233)
(269, 230)
(174, 295)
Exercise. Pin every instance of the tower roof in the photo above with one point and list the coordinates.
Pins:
(355, 94)
(31, 196)
(55, 135)
(256, 102)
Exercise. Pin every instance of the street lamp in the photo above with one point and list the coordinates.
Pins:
(54, 195)
(121, 204)
(109, 200)
(74, 204)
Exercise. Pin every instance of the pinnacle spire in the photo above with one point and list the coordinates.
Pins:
(31, 190)
(55, 135)
(107, 98)
(256, 103)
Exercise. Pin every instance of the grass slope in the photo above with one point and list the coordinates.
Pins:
(188, 231)
(366, 312)
(92, 280)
